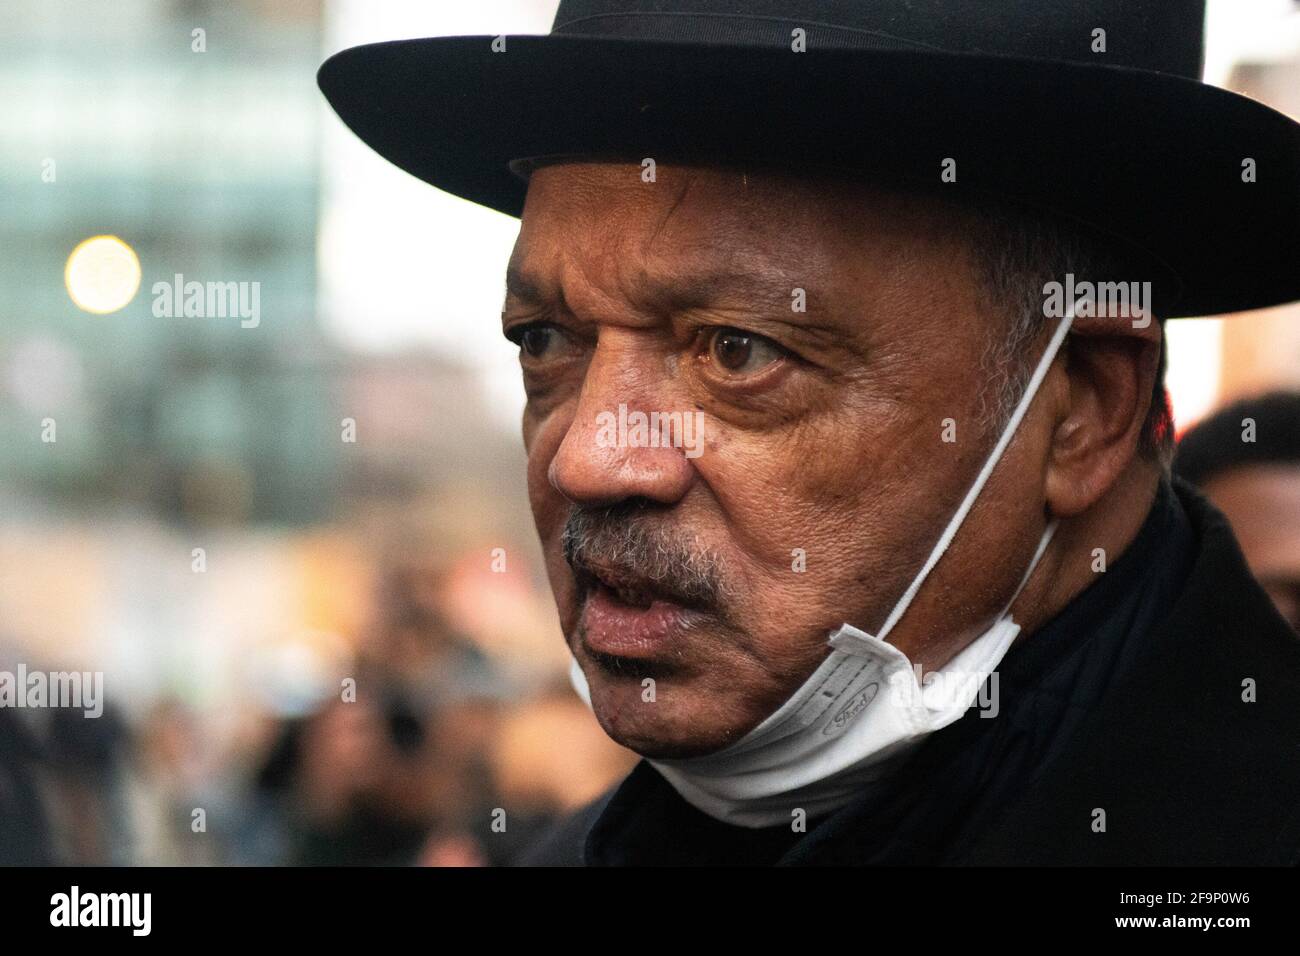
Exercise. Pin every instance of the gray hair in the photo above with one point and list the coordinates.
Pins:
(1015, 253)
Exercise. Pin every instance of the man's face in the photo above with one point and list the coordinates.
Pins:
(1262, 503)
(820, 335)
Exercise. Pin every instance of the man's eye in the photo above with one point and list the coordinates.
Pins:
(535, 340)
(742, 353)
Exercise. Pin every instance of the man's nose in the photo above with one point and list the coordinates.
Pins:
(605, 458)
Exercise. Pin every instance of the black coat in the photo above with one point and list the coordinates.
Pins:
(1186, 769)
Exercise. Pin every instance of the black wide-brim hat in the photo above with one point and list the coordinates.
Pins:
(1112, 129)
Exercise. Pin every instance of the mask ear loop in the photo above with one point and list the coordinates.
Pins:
(1043, 542)
(954, 524)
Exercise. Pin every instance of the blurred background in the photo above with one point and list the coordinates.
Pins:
(237, 518)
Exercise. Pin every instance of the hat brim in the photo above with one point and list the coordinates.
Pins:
(1153, 158)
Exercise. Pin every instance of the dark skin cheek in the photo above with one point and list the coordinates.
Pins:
(550, 510)
(854, 483)
(801, 501)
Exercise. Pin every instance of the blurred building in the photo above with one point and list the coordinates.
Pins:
(1261, 350)
(188, 129)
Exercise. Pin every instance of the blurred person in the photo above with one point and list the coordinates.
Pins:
(439, 774)
(905, 434)
(548, 760)
(1246, 459)
(414, 645)
(438, 693)
(63, 771)
(316, 788)
(375, 781)
(529, 768)
(168, 782)
(448, 781)
(88, 764)
(25, 838)
(451, 850)
(397, 773)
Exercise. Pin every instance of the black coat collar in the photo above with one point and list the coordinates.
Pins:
(1186, 769)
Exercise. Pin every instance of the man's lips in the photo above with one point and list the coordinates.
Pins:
(626, 618)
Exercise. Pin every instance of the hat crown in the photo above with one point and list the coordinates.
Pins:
(1165, 37)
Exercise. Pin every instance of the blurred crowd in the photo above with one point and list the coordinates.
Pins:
(414, 745)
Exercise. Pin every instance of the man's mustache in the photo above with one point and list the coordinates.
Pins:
(631, 545)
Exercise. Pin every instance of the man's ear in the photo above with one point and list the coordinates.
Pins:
(1111, 367)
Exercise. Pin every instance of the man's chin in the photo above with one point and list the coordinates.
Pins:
(664, 721)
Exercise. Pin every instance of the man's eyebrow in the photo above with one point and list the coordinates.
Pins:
(519, 285)
(706, 288)
(678, 291)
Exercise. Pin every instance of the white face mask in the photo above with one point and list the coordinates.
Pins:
(862, 708)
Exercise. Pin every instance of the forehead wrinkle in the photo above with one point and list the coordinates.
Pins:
(693, 273)
(764, 290)
(662, 288)
(691, 249)
(663, 222)
(600, 286)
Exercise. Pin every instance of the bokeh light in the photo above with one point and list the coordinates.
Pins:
(102, 274)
